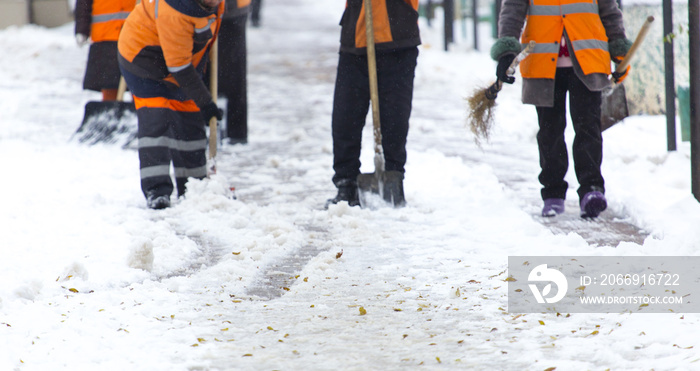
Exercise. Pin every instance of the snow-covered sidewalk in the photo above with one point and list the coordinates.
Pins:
(92, 280)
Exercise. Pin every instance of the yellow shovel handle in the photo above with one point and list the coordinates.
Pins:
(373, 85)
(635, 45)
(213, 87)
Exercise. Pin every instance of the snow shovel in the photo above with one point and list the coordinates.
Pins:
(613, 108)
(109, 121)
(387, 184)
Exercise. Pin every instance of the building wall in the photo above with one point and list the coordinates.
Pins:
(48, 13)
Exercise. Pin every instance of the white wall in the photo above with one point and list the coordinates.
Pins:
(49, 13)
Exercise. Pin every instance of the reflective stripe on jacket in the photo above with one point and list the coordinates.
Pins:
(108, 18)
(546, 22)
(102, 20)
(395, 25)
(162, 37)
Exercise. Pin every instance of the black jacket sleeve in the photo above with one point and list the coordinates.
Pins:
(83, 17)
(191, 82)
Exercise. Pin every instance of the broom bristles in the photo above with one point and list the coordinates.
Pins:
(480, 114)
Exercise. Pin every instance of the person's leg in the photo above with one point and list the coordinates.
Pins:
(588, 142)
(233, 77)
(554, 160)
(154, 154)
(587, 148)
(255, 12)
(188, 146)
(350, 107)
(396, 71)
(109, 95)
(156, 117)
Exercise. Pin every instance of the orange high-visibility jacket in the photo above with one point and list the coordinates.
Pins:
(162, 37)
(395, 25)
(546, 22)
(108, 18)
(102, 20)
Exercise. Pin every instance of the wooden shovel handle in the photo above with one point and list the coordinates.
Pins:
(373, 85)
(121, 89)
(214, 89)
(637, 42)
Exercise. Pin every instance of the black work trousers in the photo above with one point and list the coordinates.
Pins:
(588, 142)
(169, 136)
(170, 130)
(351, 102)
(255, 12)
(233, 76)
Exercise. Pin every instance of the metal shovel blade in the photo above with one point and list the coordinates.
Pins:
(613, 108)
(108, 122)
(375, 189)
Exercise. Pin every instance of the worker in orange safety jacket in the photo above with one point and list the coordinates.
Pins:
(101, 21)
(397, 38)
(163, 50)
(575, 43)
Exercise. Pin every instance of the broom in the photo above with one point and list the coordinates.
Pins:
(483, 101)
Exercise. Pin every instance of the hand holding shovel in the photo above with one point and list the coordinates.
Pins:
(614, 103)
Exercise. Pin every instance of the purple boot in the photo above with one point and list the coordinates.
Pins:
(592, 204)
(553, 207)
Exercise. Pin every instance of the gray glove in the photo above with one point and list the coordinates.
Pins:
(81, 39)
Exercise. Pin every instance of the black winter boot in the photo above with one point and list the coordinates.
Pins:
(393, 188)
(157, 202)
(347, 191)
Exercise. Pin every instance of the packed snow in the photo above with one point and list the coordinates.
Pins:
(93, 280)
